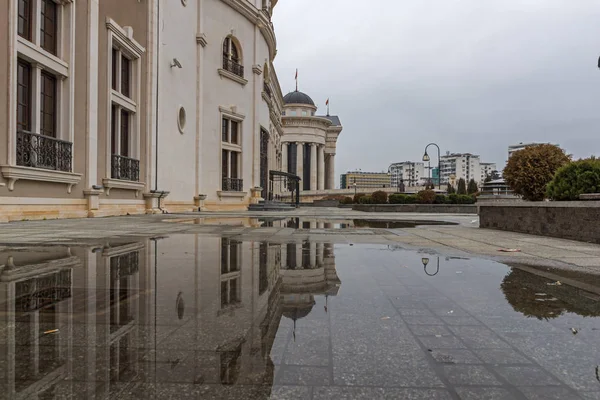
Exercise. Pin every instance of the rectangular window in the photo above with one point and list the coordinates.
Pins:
(49, 27)
(224, 164)
(225, 130)
(234, 132)
(48, 105)
(125, 133)
(23, 96)
(24, 19)
(125, 76)
(115, 68)
(113, 129)
(234, 164)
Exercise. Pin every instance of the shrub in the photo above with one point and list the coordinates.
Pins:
(365, 200)
(426, 197)
(450, 189)
(466, 199)
(575, 178)
(529, 171)
(453, 198)
(357, 197)
(347, 200)
(472, 188)
(400, 198)
(461, 187)
(440, 199)
(379, 197)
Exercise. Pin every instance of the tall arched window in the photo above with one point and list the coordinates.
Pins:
(232, 61)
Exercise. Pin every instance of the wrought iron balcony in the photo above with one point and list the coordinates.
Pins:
(267, 89)
(233, 185)
(233, 67)
(125, 168)
(45, 152)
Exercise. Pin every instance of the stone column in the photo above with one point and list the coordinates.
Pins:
(331, 171)
(298, 255)
(313, 254)
(313, 166)
(300, 161)
(284, 157)
(321, 168)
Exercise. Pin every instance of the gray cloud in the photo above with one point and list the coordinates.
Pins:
(471, 75)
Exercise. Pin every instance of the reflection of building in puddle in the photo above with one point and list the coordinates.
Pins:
(191, 308)
(539, 297)
(308, 269)
(304, 223)
(66, 310)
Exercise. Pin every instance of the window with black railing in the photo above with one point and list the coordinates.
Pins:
(125, 168)
(231, 156)
(231, 57)
(39, 151)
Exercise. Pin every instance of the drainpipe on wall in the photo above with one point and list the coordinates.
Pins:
(157, 98)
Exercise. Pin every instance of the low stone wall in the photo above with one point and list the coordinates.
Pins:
(418, 208)
(576, 220)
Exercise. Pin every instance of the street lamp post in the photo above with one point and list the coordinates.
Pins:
(427, 158)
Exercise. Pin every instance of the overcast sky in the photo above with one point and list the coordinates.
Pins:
(471, 75)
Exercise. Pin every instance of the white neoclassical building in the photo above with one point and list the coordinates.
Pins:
(119, 107)
(309, 142)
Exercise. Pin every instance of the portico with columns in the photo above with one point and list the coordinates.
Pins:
(309, 142)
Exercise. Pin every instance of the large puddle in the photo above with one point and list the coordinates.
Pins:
(193, 316)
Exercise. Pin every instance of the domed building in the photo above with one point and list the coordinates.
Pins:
(309, 142)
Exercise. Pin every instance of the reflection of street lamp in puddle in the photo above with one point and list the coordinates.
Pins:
(180, 305)
(425, 261)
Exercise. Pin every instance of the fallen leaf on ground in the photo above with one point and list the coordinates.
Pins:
(574, 330)
(50, 331)
(385, 317)
(510, 250)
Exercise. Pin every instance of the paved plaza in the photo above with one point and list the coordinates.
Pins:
(312, 304)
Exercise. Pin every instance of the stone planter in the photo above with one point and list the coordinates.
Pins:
(199, 202)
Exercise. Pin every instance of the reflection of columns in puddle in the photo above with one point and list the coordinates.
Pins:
(313, 224)
(298, 255)
(313, 254)
(320, 254)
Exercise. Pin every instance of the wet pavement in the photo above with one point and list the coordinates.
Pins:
(259, 315)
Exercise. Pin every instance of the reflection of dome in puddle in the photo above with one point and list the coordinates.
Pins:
(297, 306)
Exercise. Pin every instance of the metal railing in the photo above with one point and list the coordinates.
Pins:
(125, 168)
(39, 151)
(233, 67)
(233, 185)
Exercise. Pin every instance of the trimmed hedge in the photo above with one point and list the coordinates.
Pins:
(399, 198)
(379, 197)
(573, 179)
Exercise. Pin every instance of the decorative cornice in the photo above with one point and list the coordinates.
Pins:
(201, 39)
(121, 184)
(125, 36)
(318, 122)
(15, 173)
(229, 75)
(232, 113)
(256, 17)
(257, 69)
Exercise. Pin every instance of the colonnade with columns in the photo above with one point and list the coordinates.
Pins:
(322, 165)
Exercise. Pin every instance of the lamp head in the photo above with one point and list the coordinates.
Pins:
(176, 63)
(425, 261)
(426, 156)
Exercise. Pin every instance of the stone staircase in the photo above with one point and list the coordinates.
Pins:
(271, 206)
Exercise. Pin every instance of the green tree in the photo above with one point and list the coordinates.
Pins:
(529, 171)
(472, 188)
(461, 187)
(450, 189)
(573, 179)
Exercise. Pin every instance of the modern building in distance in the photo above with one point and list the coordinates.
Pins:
(407, 172)
(364, 180)
(486, 170)
(521, 146)
(460, 165)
